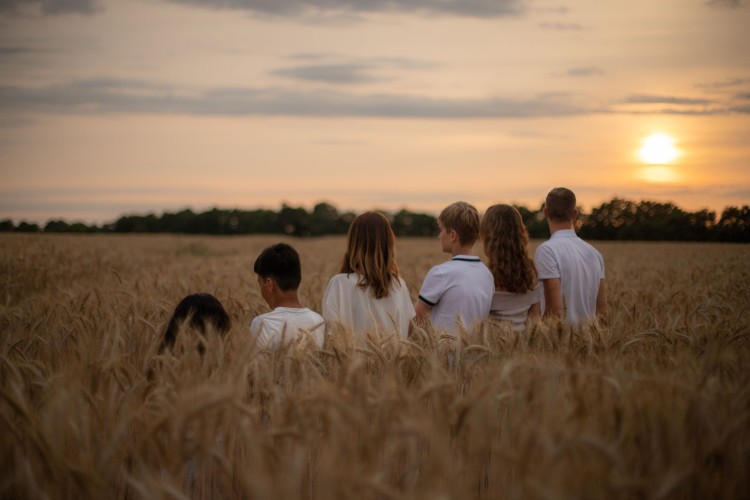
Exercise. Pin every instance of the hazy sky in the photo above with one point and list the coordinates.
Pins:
(132, 106)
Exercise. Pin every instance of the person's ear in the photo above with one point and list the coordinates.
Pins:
(454, 235)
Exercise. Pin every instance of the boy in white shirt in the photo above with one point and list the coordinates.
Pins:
(458, 293)
(279, 276)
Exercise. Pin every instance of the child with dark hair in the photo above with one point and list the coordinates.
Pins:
(279, 276)
(201, 311)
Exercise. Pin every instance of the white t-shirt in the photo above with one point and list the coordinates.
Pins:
(514, 307)
(286, 324)
(580, 268)
(358, 308)
(459, 290)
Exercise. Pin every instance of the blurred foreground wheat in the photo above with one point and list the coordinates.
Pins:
(656, 405)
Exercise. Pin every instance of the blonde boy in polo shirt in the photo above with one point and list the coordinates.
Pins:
(458, 293)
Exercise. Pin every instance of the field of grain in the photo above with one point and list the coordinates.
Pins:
(655, 405)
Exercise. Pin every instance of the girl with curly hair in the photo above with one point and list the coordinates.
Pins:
(518, 293)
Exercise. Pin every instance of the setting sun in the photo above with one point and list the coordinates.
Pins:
(658, 149)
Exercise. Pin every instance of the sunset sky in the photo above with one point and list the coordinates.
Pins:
(110, 107)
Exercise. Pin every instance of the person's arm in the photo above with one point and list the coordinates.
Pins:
(422, 311)
(602, 311)
(535, 311)
(553, 303)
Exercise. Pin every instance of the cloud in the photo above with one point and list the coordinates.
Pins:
(723, 84)
(10, 51)
(658, 99)
(732, 4)
(126, 96)
(326, 68)
(329, 73)
(561, 26)
(109, 95)
(585, 71)
(48, 7)
(468, 8)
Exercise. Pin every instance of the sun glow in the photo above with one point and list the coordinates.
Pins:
(658, 149)
(658, 174)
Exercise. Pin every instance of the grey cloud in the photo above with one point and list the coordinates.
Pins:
(346, 72)
(469, 8)
(657, 99)
(729, 83)
(585, 71)
(732, 4)
(329, 73)
(113, 96)
(561, 26)
(9, 51)
(133, 97)
(48, 7)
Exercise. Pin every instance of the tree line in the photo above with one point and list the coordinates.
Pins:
(617, 219)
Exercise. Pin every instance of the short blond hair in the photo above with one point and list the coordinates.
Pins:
(463, 218)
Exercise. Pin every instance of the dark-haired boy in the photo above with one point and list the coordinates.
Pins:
(279, 275)
(571, 270)
(457, 293)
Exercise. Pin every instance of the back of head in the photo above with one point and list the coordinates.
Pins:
(281, 263)
(370, 252)
(201, 311)
(560, 204)
(463, 218)
(506, 246)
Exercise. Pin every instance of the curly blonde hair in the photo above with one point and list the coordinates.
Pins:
(370, 252)
(506, 247)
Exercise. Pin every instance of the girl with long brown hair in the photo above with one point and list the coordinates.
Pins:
(368, 295)
(517, 290)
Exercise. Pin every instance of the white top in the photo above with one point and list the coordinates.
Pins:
(458, 291)
(514, 307)
(580, 268)
(358, 308)
(285, 324)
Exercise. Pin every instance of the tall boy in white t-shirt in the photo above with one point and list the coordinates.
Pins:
(458, 293)
(571, 270)
(279, 276)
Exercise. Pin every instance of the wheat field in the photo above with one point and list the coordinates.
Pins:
(654, 405)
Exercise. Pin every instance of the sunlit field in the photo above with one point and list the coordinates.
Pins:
(654, 405)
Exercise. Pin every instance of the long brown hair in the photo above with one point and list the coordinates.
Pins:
(370, 252)
(506, 247)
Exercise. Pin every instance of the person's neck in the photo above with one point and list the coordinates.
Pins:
(555, 226)
(465, 250)
(287, 299)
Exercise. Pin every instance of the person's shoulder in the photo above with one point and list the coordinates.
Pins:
(341, 280)
(306, 311)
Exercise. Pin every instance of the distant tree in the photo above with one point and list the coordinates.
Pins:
(6, 225)
(137, 224)
(293, 221)
(534, 221)
(406, 223)
(733, 225)
(56, 226)
(26, 227)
